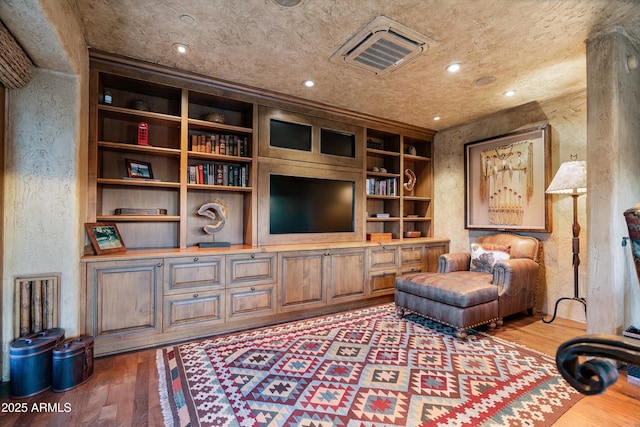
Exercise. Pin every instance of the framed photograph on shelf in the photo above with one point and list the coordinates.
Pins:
(505, 181)
(139, 170)
(105, 237)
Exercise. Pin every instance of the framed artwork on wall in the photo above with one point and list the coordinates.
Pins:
(105, 237)
(505, 181)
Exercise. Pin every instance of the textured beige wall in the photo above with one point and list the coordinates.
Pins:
(45, 173)
(613, 174)
(42, 197)
(567, 117)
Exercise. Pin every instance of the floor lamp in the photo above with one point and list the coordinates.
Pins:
(571, 179)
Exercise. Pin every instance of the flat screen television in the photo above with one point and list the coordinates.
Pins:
(310, 205)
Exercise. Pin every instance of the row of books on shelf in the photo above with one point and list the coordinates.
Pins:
(230, 145)
(382, 186)
(219, 174)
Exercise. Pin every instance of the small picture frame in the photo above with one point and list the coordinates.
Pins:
(105, 237)
(139, 170)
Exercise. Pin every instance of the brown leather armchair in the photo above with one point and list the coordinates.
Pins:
(461, 298)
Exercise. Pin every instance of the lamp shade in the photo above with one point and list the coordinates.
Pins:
(571, 178)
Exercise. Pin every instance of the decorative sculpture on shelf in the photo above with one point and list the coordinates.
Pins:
(411, 181)
(217, 211)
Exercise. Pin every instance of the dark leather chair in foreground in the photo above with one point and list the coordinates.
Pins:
(593, 376)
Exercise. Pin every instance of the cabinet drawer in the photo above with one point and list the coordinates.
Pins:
(383, 257)
(382, 282)
(251, 301)
(193, 273)
(253, 269)
(203, 308)
(411, 255)
(408, 269)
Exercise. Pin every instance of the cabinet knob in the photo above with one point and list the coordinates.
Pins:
(159, 264)
(253, 256)
(253, 289)
(195, 259)
(196, 295)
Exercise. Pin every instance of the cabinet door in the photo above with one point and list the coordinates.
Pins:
(345, 273)
(301, 274)
(189, 274)
(193, 309)
(432, 253)
(123, 301)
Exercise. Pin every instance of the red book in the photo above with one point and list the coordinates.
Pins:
(200, 174)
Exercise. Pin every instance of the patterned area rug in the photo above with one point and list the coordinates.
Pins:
(363, 368)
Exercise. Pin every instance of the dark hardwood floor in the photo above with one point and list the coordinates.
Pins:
(124, 389)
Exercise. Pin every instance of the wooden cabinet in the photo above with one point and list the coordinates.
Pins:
(393, 159)
(383, 269)
(295, 136)
(316, 278)
(145, 301)
(210, 141)
(251, 285)
(194, 292)
(123, 303)
(388, 261)
(417, 209)
(114, 153)
(198, 149)
(344, 273)
(301, 283)
(164, 143)
(383, 182)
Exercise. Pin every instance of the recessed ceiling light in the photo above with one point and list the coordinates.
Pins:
(453, 68)
(181, 48)
(509, 93)
(309, 83)
(436, 118)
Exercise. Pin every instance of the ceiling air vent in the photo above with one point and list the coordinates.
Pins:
(382, 46)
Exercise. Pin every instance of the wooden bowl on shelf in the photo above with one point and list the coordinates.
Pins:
(412, 234)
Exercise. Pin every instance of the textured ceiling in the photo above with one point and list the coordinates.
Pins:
(532, 46)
